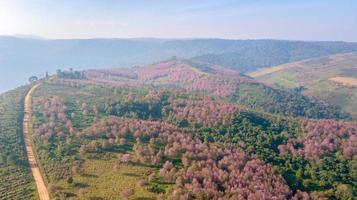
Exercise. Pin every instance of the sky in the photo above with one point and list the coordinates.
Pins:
(233, 19)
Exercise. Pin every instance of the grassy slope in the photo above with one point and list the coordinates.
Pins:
(101, 181)
(15, 175)
(316, 75)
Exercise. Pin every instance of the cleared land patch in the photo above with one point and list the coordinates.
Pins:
(269, 70)
(345, 80)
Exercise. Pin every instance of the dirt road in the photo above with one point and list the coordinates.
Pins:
(40, 184)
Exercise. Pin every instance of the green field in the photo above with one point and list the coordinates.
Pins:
(100, 181)
(316, 77)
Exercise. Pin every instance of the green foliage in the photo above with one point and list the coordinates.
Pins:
(261, 97)
(33, 79)
(314, 77)
(251, 55)
(258, 134)
(15, 176)
(58, 155)
(156, 188)
(136, 109)
(262, 134)
(344, 191)
(70, 74)
(69, 180)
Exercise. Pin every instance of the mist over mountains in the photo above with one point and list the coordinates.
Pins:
(21, 57)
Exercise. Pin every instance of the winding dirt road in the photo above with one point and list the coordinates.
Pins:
(40, 184)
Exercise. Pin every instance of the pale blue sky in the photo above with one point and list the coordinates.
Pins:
(238, 19)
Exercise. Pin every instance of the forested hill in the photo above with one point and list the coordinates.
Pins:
(21, 57)
(255, 54)
(210, 80)
(178, 129)
(98, 140)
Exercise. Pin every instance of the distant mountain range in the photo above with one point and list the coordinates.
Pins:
(22, 57)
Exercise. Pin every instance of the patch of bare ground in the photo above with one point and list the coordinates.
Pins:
(344, 80)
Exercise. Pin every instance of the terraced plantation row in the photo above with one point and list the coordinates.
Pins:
(15, 175)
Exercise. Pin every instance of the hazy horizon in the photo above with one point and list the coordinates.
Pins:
(140, 20)
(38, 37)
(178, 99)
(229, 19)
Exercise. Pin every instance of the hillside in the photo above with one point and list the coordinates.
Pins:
(21, 57)
(178, 100)
(107, 141)
(254, 55)
(183, 129)
(15, 175)
(330, 78)
(213, 80)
